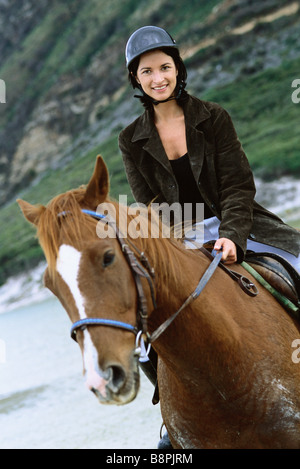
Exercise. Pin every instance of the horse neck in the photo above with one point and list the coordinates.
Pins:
(177, 273)
(205, 327)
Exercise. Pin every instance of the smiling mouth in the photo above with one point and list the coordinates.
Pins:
(160, 88)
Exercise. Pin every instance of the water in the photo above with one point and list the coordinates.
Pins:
(43, 401)
(282, 197)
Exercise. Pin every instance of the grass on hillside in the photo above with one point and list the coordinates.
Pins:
(72, 32)
(266, 119)
(267, 123)
(19, 249)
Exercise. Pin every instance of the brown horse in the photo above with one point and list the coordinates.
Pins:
(225, 370)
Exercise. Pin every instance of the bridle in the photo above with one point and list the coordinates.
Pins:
(142, 269)
(139, 270)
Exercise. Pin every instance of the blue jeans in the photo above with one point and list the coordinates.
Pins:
(211, 231)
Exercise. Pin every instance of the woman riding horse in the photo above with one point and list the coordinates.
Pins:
(185, 150)
(182, 149)
(226, 374)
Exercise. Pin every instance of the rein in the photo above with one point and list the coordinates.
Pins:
(145, 271)
(203, 281)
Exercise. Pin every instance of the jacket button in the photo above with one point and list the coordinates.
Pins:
(252, 236)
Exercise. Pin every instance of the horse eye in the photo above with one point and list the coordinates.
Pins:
(108, 258)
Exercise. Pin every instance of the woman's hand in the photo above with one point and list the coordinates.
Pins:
(229, 250)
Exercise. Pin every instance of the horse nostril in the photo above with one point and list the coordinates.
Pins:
(117, 378)
(94, 391)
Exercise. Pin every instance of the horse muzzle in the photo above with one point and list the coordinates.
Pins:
(114, 386)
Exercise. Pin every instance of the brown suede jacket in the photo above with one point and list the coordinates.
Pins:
(220, 168)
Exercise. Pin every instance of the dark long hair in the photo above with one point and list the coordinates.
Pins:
(180, 93)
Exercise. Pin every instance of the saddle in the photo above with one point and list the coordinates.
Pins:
(278, 272)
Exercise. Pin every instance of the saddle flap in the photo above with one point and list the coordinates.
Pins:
(280, 275)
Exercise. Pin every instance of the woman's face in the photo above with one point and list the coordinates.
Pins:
(157, 74)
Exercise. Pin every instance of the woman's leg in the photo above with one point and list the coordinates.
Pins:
(210, 231)
(260, 247)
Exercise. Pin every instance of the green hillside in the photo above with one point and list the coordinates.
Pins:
(76, 47)
(266, 118)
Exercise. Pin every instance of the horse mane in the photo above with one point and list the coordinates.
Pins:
(64, 222)
(156, 240)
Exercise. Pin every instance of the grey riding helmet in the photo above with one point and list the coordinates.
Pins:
(145, 39)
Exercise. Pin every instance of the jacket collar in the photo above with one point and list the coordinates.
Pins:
(195, 112)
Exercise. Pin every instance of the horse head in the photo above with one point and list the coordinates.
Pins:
(225, 374)
(91, 278)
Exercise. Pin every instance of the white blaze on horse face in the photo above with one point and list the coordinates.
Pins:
(68, 265)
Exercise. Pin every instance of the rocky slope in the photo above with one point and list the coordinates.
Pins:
(63, 66)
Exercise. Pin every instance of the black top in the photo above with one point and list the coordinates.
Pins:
(188, 189)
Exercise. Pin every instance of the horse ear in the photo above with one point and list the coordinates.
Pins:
(31, 212)
(98, 187)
